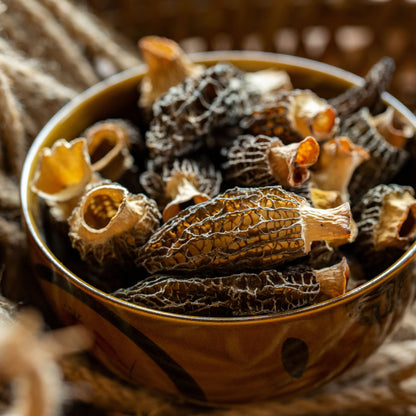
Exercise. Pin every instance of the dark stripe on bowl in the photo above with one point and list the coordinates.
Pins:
(183, 381)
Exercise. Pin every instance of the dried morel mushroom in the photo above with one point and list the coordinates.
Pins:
(167, 65)
(191, 109)
(262, 160)
(292, 116)
(269, 291)
(385, 160)
(109, 143)
(386, 221)
(368, 94)
(175, 185)
(62, 174)
(338, 160)
(242, 229)
(110, 223)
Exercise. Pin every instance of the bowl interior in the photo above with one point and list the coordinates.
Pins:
(117, 97)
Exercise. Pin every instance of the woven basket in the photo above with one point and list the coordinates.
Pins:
(351, 34)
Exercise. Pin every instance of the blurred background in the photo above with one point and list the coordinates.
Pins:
(351, 34)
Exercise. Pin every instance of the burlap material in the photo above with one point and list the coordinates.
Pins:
(49, 51)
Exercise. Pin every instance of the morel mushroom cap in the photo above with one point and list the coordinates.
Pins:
(385, 159)
(62, 174)
(368, 94)
(180, 183)
(386, 220)
(109, 143)
(292, 116)
(338, 160)
(262, 160)
(110, 223)
(167, 64)
(242, 229)
(191, 109)
(242, 294)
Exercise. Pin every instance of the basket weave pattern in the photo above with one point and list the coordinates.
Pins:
(351, 34)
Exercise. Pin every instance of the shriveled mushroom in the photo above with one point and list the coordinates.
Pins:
(368, 94)
(386, 220)
(193, 108)
(110, 223)
(262, 160)
(109, 143)
(62, 174)
(385, 159)
(242, 229)
(292, 116)
(167, 65)
(180, 183)
(242, 294)
(338, 160)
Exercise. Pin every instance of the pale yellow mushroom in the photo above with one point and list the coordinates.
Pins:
(168, 65)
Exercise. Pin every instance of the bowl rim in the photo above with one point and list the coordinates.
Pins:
(209, 57)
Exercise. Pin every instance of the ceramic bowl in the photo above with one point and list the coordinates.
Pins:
(214, 360)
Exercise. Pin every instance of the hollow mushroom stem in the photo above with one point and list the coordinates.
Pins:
(325, 224)
(333, 279)
(182, 192)
(168, 65)
(397, 222)
(289, 164)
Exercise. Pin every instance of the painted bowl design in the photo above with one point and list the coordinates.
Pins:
(213, 360)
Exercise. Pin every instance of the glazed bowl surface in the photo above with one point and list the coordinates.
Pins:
(213, 360)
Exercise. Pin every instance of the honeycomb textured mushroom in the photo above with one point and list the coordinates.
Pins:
(386, 220)
(292, 116)
(262, 160)
(241, 294)
(110, 224)
(190, 110)
(385, 159)
(181, 183)
(368, 94)
(242, 229)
